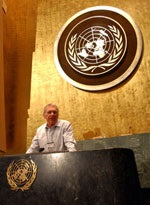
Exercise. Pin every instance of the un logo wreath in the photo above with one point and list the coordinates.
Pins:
(94, 63)
(21, 174)
(111, 61)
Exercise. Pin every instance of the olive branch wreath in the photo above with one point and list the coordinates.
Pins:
(28, 184)
(112, 59)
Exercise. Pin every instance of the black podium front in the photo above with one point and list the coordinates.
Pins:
(99, 177)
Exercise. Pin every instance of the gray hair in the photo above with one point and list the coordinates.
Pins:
(50, 105)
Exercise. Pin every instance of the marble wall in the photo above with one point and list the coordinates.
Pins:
(139, 143)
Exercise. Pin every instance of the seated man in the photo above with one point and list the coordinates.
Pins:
(55, 135)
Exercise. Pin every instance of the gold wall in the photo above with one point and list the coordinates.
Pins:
(19, 27)
(2, 98)
(119, 111)
(31, 79)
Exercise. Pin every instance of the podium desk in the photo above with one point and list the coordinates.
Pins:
(98, 177)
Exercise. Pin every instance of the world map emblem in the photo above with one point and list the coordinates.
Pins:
(98, 48)
(21, 174)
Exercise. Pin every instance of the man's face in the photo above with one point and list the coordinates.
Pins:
(51, 115)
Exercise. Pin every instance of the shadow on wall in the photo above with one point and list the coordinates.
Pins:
(96, 133)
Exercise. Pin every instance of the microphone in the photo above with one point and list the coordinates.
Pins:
(41, 149)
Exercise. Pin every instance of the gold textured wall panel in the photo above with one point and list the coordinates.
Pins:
(119, 111)
(19, 24)
(2, 98)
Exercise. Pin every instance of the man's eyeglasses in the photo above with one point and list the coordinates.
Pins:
(52, 112)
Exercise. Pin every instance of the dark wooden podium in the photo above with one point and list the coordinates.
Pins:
(98, 177)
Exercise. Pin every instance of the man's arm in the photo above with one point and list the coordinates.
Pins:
(34, 146)
(69, 140)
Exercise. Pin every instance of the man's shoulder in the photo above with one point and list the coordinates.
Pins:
(41, 127)
(63, 122)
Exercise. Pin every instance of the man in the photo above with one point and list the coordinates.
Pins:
(55, 135)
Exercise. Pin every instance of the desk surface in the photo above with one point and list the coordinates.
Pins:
(95, 177)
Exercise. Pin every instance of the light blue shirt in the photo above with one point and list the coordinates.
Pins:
(57, 138)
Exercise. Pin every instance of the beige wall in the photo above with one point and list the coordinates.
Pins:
(120, 111)
(31, 79)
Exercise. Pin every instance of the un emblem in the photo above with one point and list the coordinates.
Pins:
(98, 48)
(21, 174)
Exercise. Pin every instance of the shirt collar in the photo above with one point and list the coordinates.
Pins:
(57, 124)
